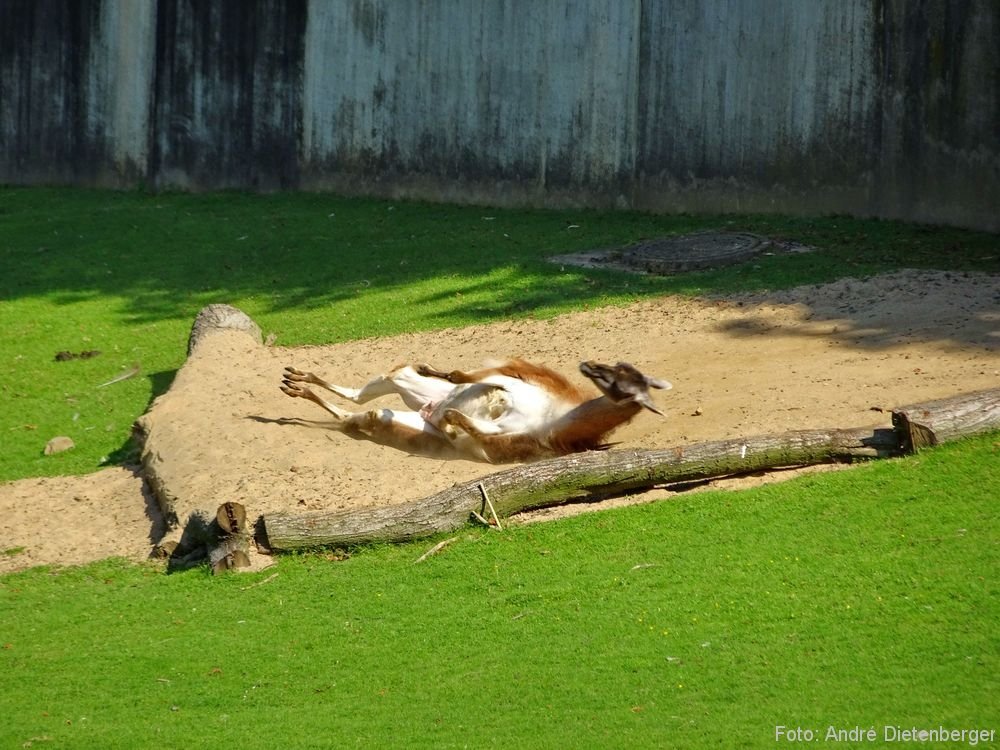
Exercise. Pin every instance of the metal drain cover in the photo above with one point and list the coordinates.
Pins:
(692, 252)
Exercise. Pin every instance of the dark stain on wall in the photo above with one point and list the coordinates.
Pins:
(940, 107)
(44, 55)
(227, 93)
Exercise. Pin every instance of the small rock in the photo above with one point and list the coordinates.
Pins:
(697, 412)
(58, 445)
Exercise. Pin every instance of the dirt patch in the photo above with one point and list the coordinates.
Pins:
(818, 356)
(76, 520)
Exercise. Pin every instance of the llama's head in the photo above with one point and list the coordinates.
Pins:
(624, 383)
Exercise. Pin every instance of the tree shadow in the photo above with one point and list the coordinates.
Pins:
(882, 312)
(128, 452)
(166, 255)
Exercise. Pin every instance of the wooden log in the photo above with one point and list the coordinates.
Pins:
(232, 552)
(935, 422)
(574, 478)
(584, 477)
(219, 317)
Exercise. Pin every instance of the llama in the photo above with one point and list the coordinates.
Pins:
(515, 411)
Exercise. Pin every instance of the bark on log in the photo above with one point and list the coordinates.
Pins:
(592, 476)
(221, 317)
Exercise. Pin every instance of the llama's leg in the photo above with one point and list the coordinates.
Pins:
(477, 428)
(457, 377)
(416, 390)
(405, 430)
(491, 442)
(292, 387)
(378, 386)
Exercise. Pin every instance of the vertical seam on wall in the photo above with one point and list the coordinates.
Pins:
(152, 130)
(635, 135)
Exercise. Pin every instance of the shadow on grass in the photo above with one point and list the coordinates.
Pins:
(128, 452)
(165, 256)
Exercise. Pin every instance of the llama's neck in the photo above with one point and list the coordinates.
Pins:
(585, 427)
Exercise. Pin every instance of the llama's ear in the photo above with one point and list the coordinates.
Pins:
(663, 385)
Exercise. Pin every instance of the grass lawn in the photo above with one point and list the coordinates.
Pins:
(867, 597)
(863, 598)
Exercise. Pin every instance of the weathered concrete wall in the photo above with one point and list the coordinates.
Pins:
(75, 81)
(748, 106)
(939, 151)
(872, 107)
(228, 93)
(502, 99)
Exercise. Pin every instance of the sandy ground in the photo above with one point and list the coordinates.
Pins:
(818, 356)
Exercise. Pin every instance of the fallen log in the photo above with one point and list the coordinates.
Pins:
(574, 478)
(587, 477)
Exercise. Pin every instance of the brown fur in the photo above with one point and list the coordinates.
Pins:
(539, 375)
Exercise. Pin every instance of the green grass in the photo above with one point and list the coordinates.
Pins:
(867, 597)
(125, 273)
(860, 598)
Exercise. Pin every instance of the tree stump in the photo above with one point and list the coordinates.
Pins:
(233, 548)
(226, 317)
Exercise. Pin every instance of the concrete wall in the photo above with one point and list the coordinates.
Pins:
(873, 107)
(228, 93)
(774, 105)
(497, 100)
(939, 150)
(75, 91)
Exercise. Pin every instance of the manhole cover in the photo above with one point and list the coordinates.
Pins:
(692, 252)
(688, 252)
